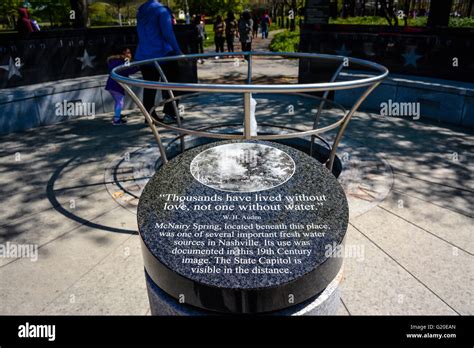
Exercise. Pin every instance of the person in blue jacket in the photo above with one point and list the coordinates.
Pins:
(156, 39)
(118, 93)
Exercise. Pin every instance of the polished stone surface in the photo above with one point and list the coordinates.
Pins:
(326, 303)
(202, 252)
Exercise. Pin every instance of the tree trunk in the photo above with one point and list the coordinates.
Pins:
(406, 12)
(50, 15)
(283, 16)
(344, 9)
(352, 6)
(119, 13)
(439, 13)
(385, 13)
(81, 17)
(293, 19)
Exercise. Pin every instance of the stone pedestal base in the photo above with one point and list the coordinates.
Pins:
(326, 303)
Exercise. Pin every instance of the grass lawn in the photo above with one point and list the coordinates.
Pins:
(210, 35)
(415, 22)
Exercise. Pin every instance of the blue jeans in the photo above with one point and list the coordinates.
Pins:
(118, 99)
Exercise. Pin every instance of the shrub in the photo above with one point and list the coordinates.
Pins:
(414, 22)
(461, 22)
(286, 41)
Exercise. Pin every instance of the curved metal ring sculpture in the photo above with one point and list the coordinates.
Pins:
(247, 89)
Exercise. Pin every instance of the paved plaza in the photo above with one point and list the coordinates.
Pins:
(72, 189)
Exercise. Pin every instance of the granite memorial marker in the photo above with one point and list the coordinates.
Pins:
(242, 227)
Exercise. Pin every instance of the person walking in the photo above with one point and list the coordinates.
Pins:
(219, 34)
(201, 34)
(255, 26)
(245, 31)
(265, 25)
(230, 30)
(24, 25)
(156, 39)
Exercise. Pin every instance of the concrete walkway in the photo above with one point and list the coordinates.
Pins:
(414, 244)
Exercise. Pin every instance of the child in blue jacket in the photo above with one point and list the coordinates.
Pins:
(114, 88)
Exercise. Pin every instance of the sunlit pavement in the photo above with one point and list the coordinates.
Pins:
(72, 188)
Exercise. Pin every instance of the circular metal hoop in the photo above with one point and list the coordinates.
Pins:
(249, 88)
(370, 83)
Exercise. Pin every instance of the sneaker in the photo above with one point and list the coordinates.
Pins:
(168, 119)
(117, 123)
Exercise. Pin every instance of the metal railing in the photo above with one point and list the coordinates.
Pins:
(247, 89)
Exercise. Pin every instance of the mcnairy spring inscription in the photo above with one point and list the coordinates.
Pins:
(247, 246)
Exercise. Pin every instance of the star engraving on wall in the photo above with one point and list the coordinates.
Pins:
(411, 57)
(12, 68)
(86, 60)
(343, 51)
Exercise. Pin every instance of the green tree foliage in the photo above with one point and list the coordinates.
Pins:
(55, 13)
(211, 7)
(120, 9)
(9, 12)
(286, 12)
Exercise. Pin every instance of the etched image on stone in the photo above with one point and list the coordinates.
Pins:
(245, 167)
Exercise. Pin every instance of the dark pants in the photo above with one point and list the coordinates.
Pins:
(200, 45)
(219, 44)
(230, 42)
(246, 46)
(150, 73)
